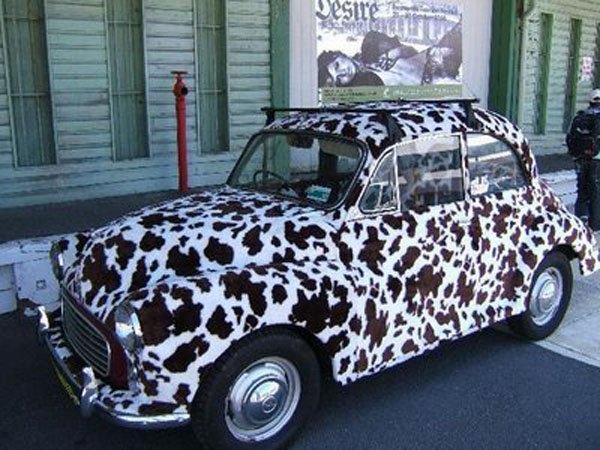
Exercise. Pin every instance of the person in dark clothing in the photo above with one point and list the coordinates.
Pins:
(588, 168)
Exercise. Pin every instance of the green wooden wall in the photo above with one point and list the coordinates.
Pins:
(559, 90)
(504, 58)
(80, 82)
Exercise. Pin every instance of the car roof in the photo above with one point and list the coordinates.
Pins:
(381, 124)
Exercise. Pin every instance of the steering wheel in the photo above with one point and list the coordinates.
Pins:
(285, 184)
(267, 172)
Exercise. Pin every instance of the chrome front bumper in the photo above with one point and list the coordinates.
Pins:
(85, 392)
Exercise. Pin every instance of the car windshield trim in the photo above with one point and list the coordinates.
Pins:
(360, 146)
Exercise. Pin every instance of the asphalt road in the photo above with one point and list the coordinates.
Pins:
(486, 391)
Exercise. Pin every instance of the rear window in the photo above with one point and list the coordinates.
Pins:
(493, 166)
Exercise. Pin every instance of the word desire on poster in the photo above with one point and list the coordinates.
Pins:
(346, 10)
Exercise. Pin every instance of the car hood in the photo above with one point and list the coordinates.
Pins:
(210, 231)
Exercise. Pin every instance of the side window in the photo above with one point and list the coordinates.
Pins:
(493, 166)
(381, 193)
(430, 172)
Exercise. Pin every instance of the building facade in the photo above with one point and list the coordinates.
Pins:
(545, 62)
(86, 108)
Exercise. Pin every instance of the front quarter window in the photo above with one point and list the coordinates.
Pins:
(381, 193)
(308, 168)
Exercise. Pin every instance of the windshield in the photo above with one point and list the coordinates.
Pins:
(314, 170)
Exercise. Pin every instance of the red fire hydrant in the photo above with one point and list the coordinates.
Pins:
(180, 90)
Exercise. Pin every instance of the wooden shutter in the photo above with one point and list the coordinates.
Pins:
(597, 59)
(572, 73)
(29, 90)
(127, 78)
(545, 45)
(212, 75)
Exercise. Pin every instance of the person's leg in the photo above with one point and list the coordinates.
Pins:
(582, 204)
(594, 185)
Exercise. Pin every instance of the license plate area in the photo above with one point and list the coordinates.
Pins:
(67, 387)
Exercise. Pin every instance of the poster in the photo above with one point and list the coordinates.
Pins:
(388, 49)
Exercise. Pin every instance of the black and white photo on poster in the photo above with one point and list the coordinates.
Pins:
(381, 49)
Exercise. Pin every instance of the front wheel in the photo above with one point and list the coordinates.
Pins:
(258, 394)
(548, 299)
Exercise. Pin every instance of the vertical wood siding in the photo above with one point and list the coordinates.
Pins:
(588, 11)
(79, 79)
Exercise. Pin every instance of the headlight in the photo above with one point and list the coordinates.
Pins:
(57, 260)
(129, 333)
(127, 328)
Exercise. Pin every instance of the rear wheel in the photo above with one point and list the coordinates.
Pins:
(258, 394)
(548, 298)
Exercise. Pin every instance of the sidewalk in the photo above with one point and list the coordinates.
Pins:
(579, 335)
(62, 218)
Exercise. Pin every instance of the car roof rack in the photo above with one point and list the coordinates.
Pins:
(465, 102)
(394, 130)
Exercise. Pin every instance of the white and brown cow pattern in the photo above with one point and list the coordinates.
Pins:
(207, 270)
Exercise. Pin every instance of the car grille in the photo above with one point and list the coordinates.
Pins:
(84, 337)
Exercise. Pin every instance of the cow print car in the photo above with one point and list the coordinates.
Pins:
(347, 240)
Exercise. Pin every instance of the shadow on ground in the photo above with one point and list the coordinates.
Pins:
(486, 391)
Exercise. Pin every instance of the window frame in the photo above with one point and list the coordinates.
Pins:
(149, 145)
(526, 175)
(361, 145)
(460, 136)
(9, 94)
(392, 209)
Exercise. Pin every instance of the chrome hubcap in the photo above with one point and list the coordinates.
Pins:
(262, 399)
(545, 297)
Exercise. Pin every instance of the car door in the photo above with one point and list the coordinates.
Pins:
(412, 247)
(500, 194)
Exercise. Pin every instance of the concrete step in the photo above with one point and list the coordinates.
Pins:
(26, 273)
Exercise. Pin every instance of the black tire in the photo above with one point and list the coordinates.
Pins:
(525, 324)
(208, 411)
